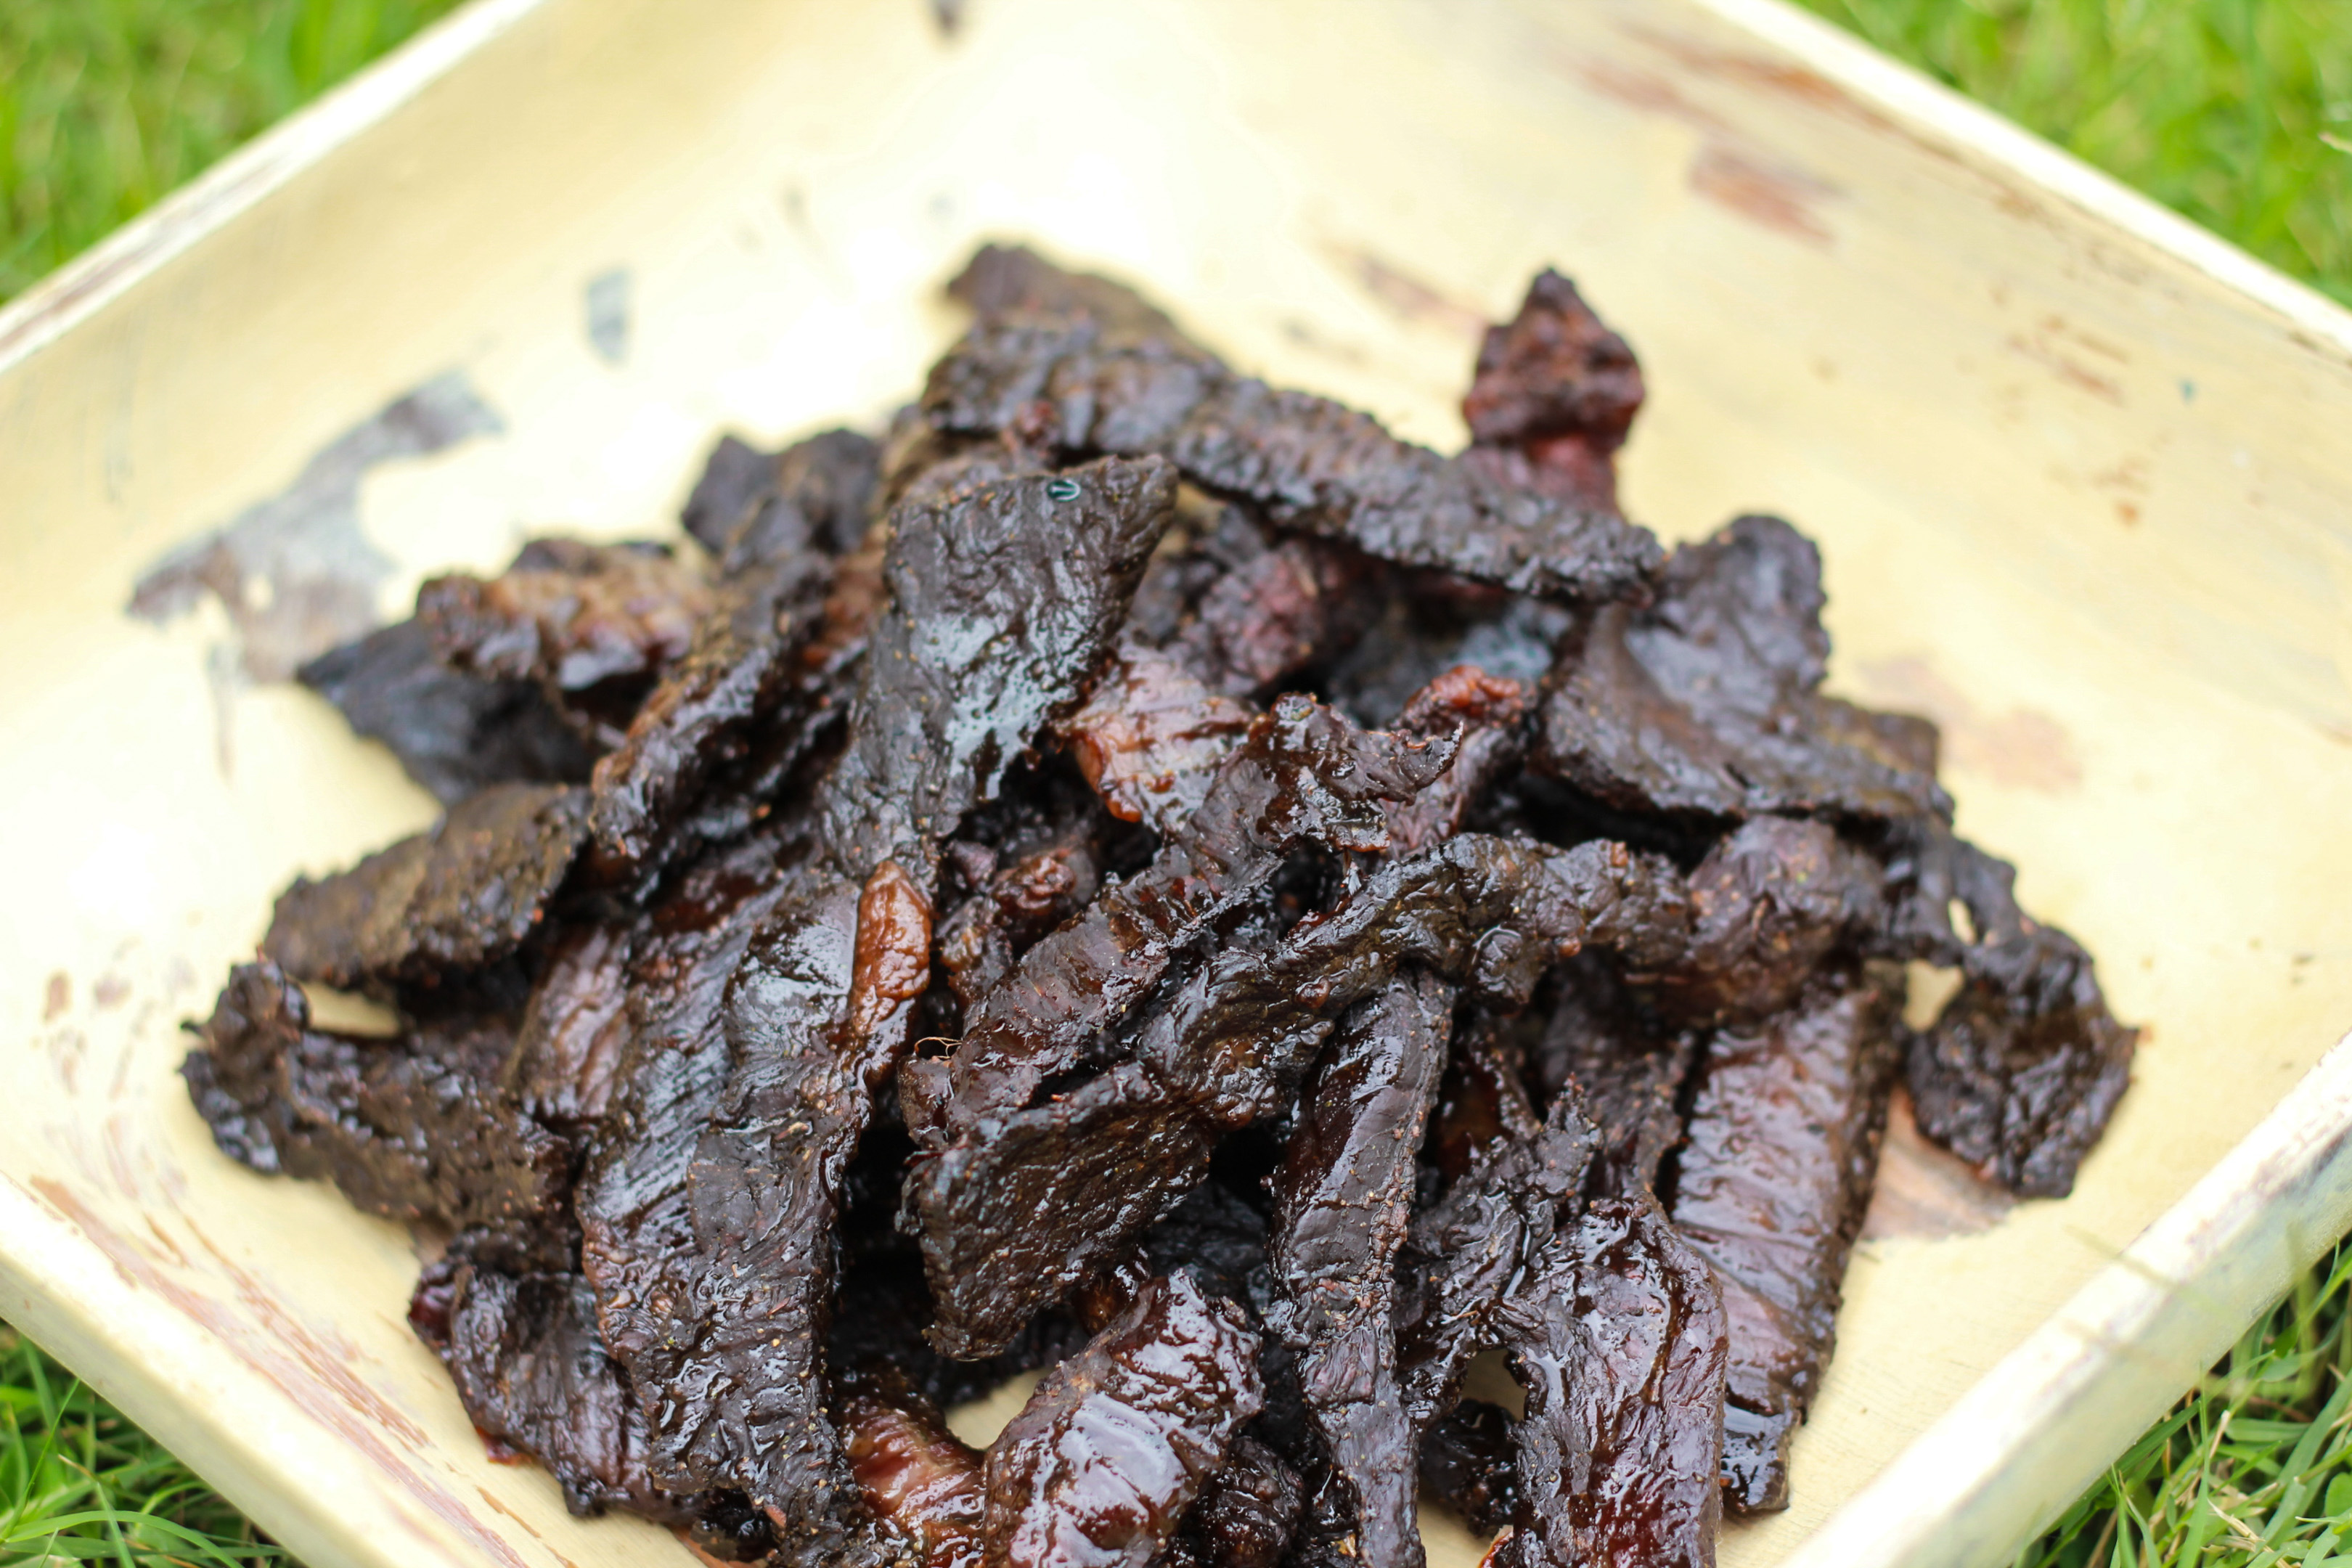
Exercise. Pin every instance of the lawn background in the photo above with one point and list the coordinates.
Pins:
(2238, 113)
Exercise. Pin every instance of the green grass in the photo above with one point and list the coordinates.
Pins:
(2252, 1469)
(2236, 113)
(107, 105)
(78, 1481)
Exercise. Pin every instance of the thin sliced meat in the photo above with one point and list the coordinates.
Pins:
(464, 893)
(1304, 774)
(920, 1483)
(2020, 1072)
(1038, 1199)
(409, 1128)
(1785, 1121)
(1554, 393)
(571, 616)
(1099, 1467)
(1617, 1337)
(1708, 700)
(1313, 465)
(575, 1029)
(1342, 1196)
(745, 663)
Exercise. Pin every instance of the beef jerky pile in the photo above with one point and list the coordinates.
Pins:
(1146, 877)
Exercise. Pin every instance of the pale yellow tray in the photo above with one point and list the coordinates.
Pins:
(2083, 477)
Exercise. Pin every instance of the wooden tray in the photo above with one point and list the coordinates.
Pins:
(2080, 472)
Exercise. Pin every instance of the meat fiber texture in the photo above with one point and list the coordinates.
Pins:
(1138, 876)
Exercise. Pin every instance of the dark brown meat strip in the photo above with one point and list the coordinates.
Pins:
(1554, 393)
(1012, 279)
(2020, 1071)
(1286, 611)
(463, 893)
(1342, 1196)
(454, 733)
(410, 1129)
(1466, 1250)
(1769, 901)
(1313, 465)
(1002, 605)
(1151, 737)
(632, 1200)
(1707, 702)
(817, 495)
(1002, 601)
(1013, 1217)
(745, 662)
(568, 1053)
(1617, 1337)
(733, 1359)
(569, 614)
(525, 1355)
(1016, 905)
(1600, 1046)
(1770, 1189)
(1098, 1468)
(1303, 774)
(920, 1483)
(1486, 711)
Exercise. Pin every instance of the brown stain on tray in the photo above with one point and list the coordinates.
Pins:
(1926, 1192)
(2022, 749)
(1783, 200)
(1751, 182)
(1403, 295)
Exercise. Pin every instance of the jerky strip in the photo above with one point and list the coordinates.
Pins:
(2020, 1071)
(568, 615)
(464, 893)
(920, 1483)
(1004, 602)
(525, 1355)
(409, 1129)
(1708, 701)
(1342, 1198)
(632, 1200)
(568, 1053)
(1150, 736)
(1098, 1468)
(1554, 393)
(1464, 1253)
(1618, 1341)
(1768, 903)
(742, 666)
(996, 619)
(1769, 1190)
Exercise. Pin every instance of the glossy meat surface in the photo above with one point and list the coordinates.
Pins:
(1618, 1340)
(1708, 700)
(1785, 1120)
(1343, 1196)
(409, 1128)
(1098, 1468)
